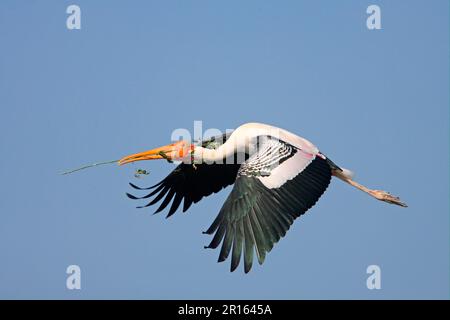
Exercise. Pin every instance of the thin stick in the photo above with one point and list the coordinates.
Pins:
(89, 166)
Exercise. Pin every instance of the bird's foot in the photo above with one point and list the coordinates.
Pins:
(387, 197)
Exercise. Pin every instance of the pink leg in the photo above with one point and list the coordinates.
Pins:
(377, 194)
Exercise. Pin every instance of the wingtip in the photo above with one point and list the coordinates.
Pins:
(233, 267)
(129, 195)
(134, 186)
(261, 259)
(169, 215)
(221, 258)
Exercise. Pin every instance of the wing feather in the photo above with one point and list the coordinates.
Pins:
(265, 214)
(189, 184)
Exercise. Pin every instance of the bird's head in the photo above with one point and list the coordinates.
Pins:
(178, 151)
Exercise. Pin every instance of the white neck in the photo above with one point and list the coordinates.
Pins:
(242, 141)
(205, 155)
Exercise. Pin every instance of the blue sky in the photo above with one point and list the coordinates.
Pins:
(376, 102)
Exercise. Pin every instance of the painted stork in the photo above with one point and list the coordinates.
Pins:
(278, 178)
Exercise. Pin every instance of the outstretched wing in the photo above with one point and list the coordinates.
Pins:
(273, 188)
(190, 184)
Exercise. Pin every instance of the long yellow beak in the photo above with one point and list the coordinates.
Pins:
(172, 151)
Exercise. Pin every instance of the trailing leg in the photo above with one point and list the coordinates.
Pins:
(377, 194)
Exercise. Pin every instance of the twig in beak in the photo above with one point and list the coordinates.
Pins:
(89, 166)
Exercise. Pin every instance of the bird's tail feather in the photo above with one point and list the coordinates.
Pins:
(343, 171)
(347, 173)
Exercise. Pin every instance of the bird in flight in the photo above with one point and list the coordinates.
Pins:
(277, 177)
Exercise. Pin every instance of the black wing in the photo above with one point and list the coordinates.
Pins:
(255, 217)
(190, 184)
